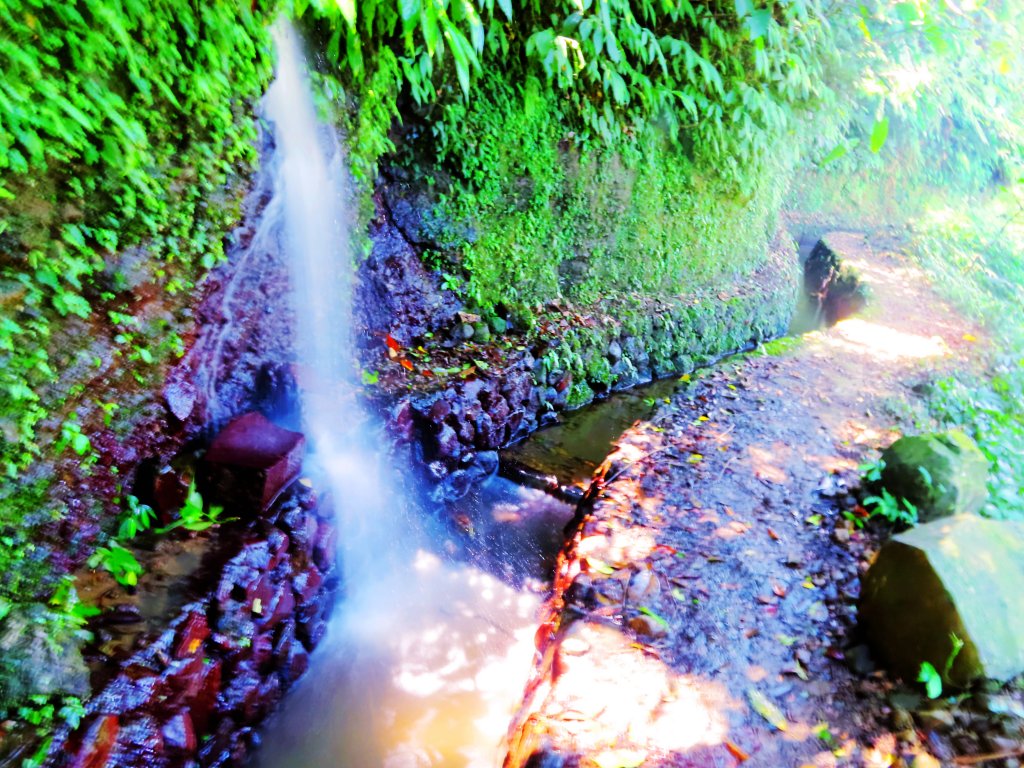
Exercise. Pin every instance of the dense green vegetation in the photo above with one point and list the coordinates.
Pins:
(575, 148)
(120, 125)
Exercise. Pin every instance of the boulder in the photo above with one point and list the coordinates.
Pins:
(251, 461)
(941, 474)
(960, 575)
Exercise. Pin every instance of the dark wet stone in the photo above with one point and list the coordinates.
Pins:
(325, 549)
(191, 635)
(179, 734)
(251, 461)
(446, 444)
(170, 490)
(180, 396)
(98, 743)
(139, 744)
(614, 352)
(307, 584)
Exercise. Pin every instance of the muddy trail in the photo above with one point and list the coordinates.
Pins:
(704, 612)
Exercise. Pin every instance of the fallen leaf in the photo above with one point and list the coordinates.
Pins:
(771, 713)
(736, 752)
(406, 364)
(773, 535)
(778, 589)
(969, 337)
(392, 344)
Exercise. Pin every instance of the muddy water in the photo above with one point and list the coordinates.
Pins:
(574, 448)
(433, 680)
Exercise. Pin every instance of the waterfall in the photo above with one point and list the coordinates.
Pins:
(413, 670)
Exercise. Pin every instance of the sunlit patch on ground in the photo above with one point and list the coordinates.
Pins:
(624, 702)
(882, 342)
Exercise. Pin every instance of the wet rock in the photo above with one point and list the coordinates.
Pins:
(396, 293)
(614, 352)
(957, 575)
(98, 743)
(140, 744)
(36, 659)
(941, 474)
(251, 461)
(179, 734)
(180, 396)
(170, 489)
(191, 635)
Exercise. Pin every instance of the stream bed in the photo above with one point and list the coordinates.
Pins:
(426, 661)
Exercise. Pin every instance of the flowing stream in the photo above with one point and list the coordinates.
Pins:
(426, 657)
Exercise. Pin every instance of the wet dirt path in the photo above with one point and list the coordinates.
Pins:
(703, 610)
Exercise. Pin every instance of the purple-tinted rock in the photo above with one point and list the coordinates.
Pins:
(179, 734)
(251, 461)
(139, 744)
(98, 743)
(325, 550)
(180, 396)
(307, 584)
(241, 697)
(191, 635)
(170, 490)
(446, 444)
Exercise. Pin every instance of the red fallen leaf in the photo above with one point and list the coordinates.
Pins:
(406, 364)
(779, 590)
(392, 344)
(736, 752)
(774, 536)
(426, 372)
(665, 549)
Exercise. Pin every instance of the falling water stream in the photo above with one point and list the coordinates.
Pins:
(426, 657)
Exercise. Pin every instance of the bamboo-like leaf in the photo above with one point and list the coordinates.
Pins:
(879, 133)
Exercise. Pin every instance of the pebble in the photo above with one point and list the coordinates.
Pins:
(940, 720)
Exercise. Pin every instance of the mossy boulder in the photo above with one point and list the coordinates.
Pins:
(941, 474)
(959, 575)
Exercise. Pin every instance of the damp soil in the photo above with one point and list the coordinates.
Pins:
(714, 582)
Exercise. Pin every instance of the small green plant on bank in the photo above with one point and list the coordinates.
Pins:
(120, 562)
(931, 677)
(195, 516)
(137, 518)
(899, 511)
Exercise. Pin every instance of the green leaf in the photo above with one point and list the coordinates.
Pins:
(929, 675)
(758, 23)
(879, 133)
(348, 11)
(771, 713)
(506, 8)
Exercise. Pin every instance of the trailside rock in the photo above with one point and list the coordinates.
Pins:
(960, 575)
(941, 474)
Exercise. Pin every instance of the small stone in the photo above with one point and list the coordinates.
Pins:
(614, 352)
(648, 626)
(464, 331)
(940, 720)
(481, 333)
(841, 535)
(498, 325)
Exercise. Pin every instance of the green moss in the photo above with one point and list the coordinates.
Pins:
(584, 222)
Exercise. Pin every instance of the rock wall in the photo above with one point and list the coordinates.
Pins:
(195, 695)
(457, 427)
